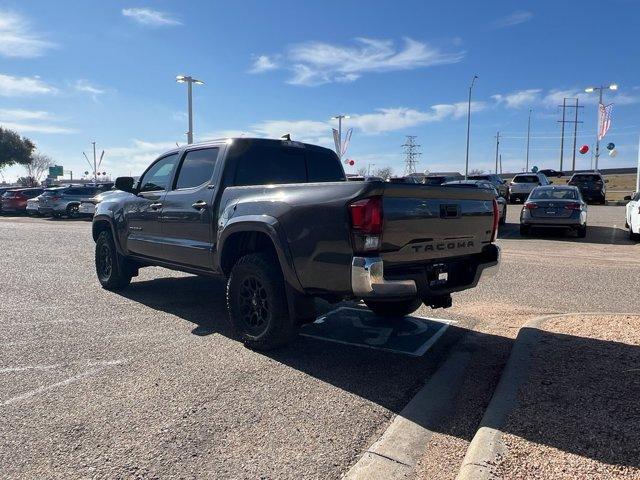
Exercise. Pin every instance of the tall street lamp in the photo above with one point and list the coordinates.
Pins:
(339, 143)
(189, 81)
(466, 167)
(613, 86)
(528, 138)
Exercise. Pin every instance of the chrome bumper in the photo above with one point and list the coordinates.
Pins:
(367, 280)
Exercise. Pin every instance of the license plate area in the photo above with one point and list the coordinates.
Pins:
(438, 275)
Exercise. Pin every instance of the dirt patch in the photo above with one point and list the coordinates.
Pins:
(579, 412)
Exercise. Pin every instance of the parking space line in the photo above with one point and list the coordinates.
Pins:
(63, 383)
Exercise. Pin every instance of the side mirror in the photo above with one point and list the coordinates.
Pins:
(125, 184)
(628, 197)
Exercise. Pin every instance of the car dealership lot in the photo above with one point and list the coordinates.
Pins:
(149, 382)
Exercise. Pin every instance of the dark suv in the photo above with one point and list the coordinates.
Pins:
(591, 186)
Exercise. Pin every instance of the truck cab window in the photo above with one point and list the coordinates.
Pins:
(159, 175)
(196, 168)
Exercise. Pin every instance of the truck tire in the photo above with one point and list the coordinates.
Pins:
(257, 303)
(399, 308)
(525, 230)
(111, 267)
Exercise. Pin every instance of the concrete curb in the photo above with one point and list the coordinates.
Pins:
(486, 445)
(396, 453)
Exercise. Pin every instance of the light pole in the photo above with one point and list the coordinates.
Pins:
(466, 167)
(612, 86)
(528, 138)
(339, 142)
(189, 81)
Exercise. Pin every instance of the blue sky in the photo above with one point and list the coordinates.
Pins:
(76, 71)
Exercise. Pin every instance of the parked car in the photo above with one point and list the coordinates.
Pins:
(498, 182)
(550, 172)
(2, 192)
(523, 183)
(502, 202)
(65, 200)
(32, 206)
(88, 207)
(15, 201)
(278, 219)
(633, 216)
(556, 207)
(591, 185)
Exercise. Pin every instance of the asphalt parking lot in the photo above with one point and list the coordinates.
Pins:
(148, 383)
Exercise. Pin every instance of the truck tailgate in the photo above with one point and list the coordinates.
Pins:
(424, 223)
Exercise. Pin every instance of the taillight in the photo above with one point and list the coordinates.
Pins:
(572, 206)
(530, 206)
(496, 221)
(366, 223)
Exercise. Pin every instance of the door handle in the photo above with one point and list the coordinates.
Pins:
(199, 205)
(155, 206)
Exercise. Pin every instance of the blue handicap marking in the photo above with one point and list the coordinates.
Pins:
(410, 335)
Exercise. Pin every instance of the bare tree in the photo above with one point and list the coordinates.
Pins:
(476, 171)
(384, 173)
(38, 165)
(362, 171)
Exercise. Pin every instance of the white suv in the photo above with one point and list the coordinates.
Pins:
(522, 184)
(633, 217)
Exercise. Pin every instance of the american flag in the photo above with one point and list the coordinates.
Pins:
(604, 120)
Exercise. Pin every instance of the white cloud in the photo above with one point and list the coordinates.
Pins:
(84, 86)
(17, 115)
(316, 63)
(515, 18)
(135, 158)
(18, 39)
(147, 16)
(31, 121)
(554, 97)
(263, 63)
(23, 128)
(521, 98)
(11, 86)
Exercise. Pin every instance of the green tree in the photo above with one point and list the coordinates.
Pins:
(14, 148)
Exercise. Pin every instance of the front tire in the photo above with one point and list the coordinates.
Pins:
(503, 219)
(111, 268)
(257, 303)
(398, 308)
(73, 211)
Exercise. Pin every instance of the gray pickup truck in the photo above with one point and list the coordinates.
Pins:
(278, 219)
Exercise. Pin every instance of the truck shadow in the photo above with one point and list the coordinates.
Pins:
(587, 406)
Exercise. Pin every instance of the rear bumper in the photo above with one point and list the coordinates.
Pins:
(368, 279)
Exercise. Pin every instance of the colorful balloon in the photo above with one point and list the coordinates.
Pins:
(611, 146)
(584, 149)
(613, 153)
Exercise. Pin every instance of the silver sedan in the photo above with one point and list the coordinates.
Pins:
(556, 207)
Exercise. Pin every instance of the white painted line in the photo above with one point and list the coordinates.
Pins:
(416, 353)
(63, 383)
(30, 367)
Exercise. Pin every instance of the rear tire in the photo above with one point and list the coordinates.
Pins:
(111, 267)
(633, 236)
(257, 303)
(525, 230)
(73, 211)
(582, 231)
(399, 308)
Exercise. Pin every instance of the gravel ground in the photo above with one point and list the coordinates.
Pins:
(578, 414)
(548, 273)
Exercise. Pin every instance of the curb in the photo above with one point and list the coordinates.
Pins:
(397, 452)
(486, 445)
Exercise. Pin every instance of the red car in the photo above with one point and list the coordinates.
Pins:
(15, 201)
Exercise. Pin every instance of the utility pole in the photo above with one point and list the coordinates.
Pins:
(411, 155)
(564, 107)
(528, 138)
(575, 130)
(466, 168)
(497, 149)
(500, 164)
(612, 86)
(95, 164)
